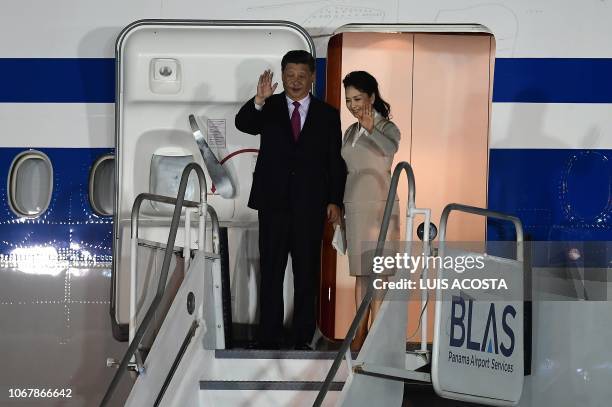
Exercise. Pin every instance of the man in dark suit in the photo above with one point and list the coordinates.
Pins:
(298, 183)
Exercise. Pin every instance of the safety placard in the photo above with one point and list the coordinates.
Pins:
(216, 133)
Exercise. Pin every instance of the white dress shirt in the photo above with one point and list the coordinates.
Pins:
(303, 109)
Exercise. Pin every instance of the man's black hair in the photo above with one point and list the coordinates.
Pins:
(298, 56)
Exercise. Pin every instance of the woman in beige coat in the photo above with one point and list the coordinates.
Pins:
(368, 147)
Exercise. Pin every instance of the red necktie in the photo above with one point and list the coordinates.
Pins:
(296, 121)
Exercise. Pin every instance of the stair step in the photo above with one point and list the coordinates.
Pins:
(269, 365)
(266, 385)
(391, 373)
(276, 354)
(257, 393)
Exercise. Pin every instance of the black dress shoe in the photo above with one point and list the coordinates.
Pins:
(302, 346)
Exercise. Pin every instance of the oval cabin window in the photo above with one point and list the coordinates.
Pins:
(102, 185)
(30, 184)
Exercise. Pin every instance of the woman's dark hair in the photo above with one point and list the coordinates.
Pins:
(366, 83)
(298, 56)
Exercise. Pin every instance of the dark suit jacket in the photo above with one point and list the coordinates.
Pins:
(304, 176)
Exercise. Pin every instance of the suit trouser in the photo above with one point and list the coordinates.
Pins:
(284, 232)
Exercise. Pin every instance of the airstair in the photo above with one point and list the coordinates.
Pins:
(384, 367)
(188, 363)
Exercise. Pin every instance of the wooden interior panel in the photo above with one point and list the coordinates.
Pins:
(450, 126)
(388, 57)
(450, 123)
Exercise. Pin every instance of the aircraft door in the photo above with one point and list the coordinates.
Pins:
(179, 87)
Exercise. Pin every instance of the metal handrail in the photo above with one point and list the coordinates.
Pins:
(214, 220)
(179, 202)
(518, 226)
(367, 300)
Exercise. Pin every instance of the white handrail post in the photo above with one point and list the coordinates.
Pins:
(133, 265)
(187, 239)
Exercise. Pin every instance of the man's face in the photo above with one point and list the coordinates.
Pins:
(297, 80)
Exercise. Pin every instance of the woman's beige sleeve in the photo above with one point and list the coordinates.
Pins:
(386, 136)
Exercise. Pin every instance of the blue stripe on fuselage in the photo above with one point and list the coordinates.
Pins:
(58, 80)
(516, 80)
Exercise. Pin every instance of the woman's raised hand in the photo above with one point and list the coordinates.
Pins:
(265, 89)
(366, 119)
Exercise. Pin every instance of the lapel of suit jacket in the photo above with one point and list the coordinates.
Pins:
(284, 110)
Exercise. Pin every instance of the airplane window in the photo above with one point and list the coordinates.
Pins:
(102, 185)
(30, 184)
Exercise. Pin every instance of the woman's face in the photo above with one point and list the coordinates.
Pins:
(356, 100)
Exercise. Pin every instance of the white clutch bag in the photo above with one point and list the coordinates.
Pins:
(339, 240)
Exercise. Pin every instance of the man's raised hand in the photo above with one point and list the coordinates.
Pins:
(265, 89)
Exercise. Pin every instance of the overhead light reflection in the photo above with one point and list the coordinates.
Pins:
(37, 260)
